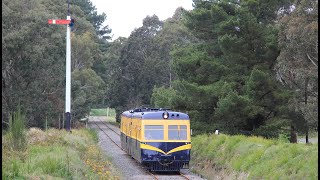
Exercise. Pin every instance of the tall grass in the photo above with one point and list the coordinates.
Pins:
(56, 154)
(17, 131)
(257, 157)
(94, 135)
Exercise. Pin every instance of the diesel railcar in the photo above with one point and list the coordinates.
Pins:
(157, 138)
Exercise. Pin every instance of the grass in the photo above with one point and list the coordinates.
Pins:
(56, 154)
(16, 133)
(257, 157)
(109, 115)
(103, 112)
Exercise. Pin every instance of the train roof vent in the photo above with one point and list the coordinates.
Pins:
(150, 109)
(164, 109)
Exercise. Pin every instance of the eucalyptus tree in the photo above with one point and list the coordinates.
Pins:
(97, 20)
(33, 58)
(138, 70)
(32, 65)
(297, 64)
(116, 86)
(173, 35)
(134, 67)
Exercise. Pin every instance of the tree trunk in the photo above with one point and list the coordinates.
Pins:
(305, 103)
(293, 135)
(59, 121)
(307, 135)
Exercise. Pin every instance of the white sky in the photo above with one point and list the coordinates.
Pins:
(123, 16)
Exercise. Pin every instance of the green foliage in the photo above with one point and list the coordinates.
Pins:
(94, 18)
(129, 87)
(17, 133)
(14, 170)
(297, 63)
(137, 65)
(236, 104)
(162, 97)
(94, 135)
(88, 88)
(56, 155)
(257, 157)
(215, 62)
(34, 59)
(27, 56)
(54, 167)
(283, 138)
(271, 129)
(225, 80)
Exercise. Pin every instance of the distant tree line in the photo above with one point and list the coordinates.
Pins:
(243, 67)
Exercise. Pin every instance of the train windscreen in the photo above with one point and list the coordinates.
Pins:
(154, 132)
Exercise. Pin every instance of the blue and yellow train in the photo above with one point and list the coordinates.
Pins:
(157, 138)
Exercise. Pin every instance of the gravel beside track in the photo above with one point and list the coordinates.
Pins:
(128, 167)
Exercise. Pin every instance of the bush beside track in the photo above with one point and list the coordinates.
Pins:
(56, 154)
(240, 157)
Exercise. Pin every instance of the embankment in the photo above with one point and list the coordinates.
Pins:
(240, 157)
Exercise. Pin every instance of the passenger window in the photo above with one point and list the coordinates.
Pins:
(175, 134)
(153, 132)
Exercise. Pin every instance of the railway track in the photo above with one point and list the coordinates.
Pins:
(107, 133)
(154, 176)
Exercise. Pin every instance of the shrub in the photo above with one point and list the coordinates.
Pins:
(17, 135)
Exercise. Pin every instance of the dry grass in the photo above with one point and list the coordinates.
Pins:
(56, 154)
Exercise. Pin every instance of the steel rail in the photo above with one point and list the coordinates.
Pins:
(116, 143)
(109, 127)
(183, 176)
(107, 135)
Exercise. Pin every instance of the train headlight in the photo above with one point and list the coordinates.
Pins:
(165, 115)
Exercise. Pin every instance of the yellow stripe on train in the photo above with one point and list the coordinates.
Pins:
(148, 147)
(180, 148)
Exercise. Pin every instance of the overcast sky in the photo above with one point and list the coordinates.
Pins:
(123, 16)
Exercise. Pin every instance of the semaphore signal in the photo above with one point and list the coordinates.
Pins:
(69, 22)
(59, 21)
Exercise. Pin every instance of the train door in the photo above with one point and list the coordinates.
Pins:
(127, 134)
(130, 136)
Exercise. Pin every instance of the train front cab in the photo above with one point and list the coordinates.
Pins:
(165, 144)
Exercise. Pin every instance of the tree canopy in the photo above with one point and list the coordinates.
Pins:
(33, 59)
(244, 67)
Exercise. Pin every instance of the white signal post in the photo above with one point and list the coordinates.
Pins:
(68, 79)
(68, 69)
